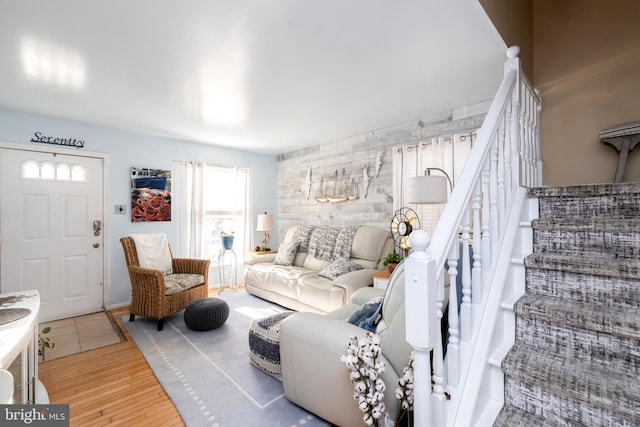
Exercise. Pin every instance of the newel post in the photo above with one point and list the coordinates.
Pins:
(422, 325)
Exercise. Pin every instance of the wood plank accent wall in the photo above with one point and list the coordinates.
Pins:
(351, 154)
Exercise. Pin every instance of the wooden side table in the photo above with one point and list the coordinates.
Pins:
(381, 278)
(623, 138)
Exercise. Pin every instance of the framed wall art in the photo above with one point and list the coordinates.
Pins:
(150, 195)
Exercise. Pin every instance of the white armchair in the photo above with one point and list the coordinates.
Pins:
(311, 345)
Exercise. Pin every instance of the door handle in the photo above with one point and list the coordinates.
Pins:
(97, 227)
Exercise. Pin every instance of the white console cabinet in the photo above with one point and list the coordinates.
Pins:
(19, 345)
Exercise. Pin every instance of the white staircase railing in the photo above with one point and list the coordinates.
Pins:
(473, 240)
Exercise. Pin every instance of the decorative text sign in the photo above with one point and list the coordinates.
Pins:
(69, 142)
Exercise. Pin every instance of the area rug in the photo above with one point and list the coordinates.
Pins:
(208, 375)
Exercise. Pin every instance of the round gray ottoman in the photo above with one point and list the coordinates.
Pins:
(206, 313)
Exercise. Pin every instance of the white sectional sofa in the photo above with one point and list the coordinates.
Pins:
(317, 269)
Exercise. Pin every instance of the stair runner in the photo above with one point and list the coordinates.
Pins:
(576, 357)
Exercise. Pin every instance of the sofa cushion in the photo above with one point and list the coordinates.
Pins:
(286, 253)
(338, 268)
(320, 293)
(314, 264)
(284, 279)
(368, 243)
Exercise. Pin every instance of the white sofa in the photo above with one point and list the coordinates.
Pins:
(311, 346)
(311, 252)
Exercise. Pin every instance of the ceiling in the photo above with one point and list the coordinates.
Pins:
(266, 76)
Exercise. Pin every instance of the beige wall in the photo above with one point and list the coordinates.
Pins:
(587, 64)
(514, 21)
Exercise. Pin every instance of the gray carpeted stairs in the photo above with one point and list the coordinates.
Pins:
(576, 358)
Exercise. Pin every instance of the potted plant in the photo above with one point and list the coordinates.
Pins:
(390, 261)
(227, 240)
(44, 342)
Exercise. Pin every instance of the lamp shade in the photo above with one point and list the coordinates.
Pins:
(427, 189)
(265, 222)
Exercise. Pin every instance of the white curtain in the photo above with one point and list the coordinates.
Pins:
(191, 189)
(227, 207)
(249, 215)
(215, 199)
(445, 152)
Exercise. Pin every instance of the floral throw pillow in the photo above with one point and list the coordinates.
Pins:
(338, 268)
(286, 253)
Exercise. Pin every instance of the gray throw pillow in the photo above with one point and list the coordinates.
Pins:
(286, 253)
(338, 268)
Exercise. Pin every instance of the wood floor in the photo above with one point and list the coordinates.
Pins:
(111, 385)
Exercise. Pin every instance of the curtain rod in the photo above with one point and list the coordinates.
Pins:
(209, 164)
(425, 144)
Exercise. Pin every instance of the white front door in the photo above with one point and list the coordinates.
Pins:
(51, 230)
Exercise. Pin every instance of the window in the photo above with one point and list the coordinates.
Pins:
(224, 208)
(32, 169)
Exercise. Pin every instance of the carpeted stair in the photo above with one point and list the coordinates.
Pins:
(576, 357)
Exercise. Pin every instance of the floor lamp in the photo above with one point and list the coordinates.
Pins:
(265, 224)
(428, 189)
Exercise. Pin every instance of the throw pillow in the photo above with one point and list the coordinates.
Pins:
(343, 242)
(286, 253)
(368, 316)
(323, 242)
(338, 268)
(301, 235)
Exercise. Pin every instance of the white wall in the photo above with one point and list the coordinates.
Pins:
(127, 149)
(352, 154)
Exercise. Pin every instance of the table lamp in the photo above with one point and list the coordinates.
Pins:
(265, 223)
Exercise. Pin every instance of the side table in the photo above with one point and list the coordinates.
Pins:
(623, 138)
(381, 278)
(233, 266)
(263, 252)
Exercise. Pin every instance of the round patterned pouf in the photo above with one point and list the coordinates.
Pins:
(206, 313)
(264, 344)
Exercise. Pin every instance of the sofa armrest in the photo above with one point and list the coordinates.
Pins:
(364, 295)
(146, 280)
(191, 266)
(257, 258)
(313, 376)
(354, 280)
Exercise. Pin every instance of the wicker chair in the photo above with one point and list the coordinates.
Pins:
(148, 290)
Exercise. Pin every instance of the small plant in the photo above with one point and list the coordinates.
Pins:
(389, 259)
(44, 342)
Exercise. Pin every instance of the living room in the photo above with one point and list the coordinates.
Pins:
(609, 76)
